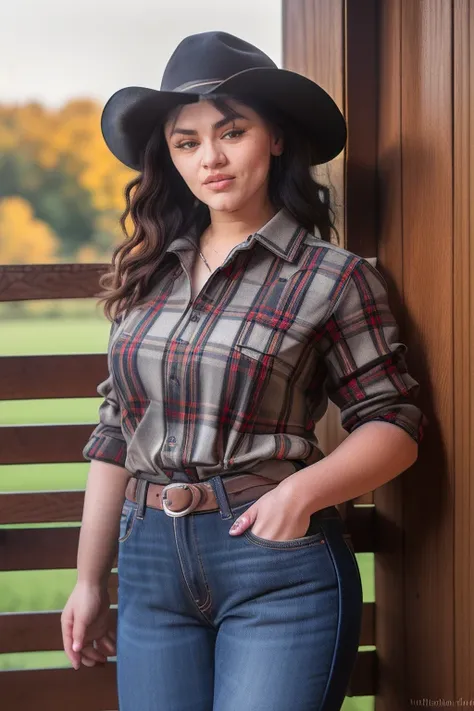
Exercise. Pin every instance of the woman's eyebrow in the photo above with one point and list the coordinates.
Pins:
(215, 126)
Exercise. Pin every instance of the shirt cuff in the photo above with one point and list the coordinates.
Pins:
(415, 429)
(106, 449)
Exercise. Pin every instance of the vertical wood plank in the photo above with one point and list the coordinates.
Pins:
(426, 120)
(467, 673)
(313, 45)
(463, 159)
(389, 570)
(361, 111)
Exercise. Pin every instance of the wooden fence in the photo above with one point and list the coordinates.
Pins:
(76, 376)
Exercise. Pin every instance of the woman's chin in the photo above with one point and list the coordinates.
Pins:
(224, 202)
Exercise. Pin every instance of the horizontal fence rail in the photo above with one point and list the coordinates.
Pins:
(51, 376)
(30, 282)
(87, 689)
(43, 444)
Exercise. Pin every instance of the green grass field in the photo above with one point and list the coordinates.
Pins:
(48, 590)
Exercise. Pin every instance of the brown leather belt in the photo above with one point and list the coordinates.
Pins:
(181, 498)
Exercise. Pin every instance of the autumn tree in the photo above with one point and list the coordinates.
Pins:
(24, 239)
(58, 162)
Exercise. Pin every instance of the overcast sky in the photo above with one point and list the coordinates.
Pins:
(53, 50)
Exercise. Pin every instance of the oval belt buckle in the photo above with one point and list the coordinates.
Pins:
(196, 495)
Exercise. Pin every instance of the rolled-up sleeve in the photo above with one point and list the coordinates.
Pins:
(367, 375)
(107, 442)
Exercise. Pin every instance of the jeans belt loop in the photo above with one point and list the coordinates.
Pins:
(140, 497)
(221, 497)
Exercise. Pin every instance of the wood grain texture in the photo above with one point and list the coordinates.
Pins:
(388, 499)
(463, 255)
(27, 282)
(41, 507)
(313, 45)
(427, 188)
(35, 631)
(51, 376)
(85, 689)
(424, 237)
(43, 444)
(361, 110)
(38, 548)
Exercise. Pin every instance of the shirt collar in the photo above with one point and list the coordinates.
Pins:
(282, 235)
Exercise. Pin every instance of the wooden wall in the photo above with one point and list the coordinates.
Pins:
(424, 237)
(402, 72)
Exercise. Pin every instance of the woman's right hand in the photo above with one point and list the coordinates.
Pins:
(85, 625)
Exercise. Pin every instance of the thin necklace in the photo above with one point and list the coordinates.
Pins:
(204, 258)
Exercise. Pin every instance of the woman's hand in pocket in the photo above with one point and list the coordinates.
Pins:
(85, 626)
(274, 516)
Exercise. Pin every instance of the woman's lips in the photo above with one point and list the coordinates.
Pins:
(219, 184)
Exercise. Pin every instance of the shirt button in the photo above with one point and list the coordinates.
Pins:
(195, 317)
(171, 440)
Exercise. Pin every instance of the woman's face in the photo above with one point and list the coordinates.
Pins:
(202, 144)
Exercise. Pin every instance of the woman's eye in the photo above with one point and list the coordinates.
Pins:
(236, 131)
(182, 145)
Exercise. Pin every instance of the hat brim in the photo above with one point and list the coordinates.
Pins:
(131, 114)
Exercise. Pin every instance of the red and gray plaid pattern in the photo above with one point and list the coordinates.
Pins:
(236, 380)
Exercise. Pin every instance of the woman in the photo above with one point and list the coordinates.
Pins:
(234, 318)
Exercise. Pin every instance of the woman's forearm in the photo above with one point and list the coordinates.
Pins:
(103, 503)
(369, 457)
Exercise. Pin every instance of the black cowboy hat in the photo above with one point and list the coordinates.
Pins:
(211, 63)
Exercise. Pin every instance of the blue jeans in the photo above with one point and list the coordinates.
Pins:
(213, 622)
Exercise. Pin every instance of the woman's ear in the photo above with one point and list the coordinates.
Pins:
(277, 147)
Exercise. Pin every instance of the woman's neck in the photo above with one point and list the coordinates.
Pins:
(228, 230)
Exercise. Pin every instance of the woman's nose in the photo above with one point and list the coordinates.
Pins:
(212, 155)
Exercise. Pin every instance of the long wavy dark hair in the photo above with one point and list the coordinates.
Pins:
(161, 206)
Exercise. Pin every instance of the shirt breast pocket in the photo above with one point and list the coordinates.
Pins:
(271, 347)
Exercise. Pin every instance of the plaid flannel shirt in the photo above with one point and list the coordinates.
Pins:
(236, 380)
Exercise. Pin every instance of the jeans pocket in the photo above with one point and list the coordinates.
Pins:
(127, 520)
(314, 534)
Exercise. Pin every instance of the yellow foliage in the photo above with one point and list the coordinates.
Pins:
(23, 238)
(71, 136)
(68, 138)
(109, 222)
(88, 254)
